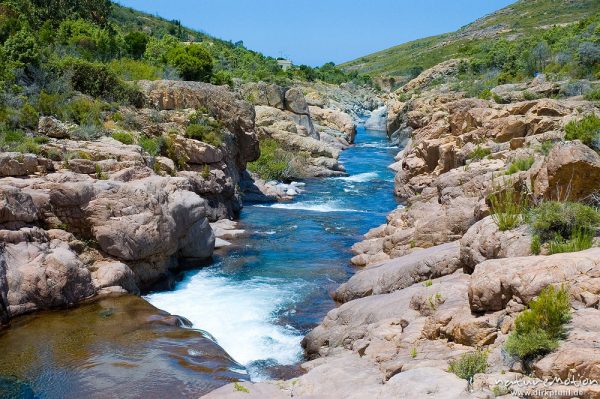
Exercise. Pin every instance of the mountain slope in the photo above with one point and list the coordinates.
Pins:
(525, 18)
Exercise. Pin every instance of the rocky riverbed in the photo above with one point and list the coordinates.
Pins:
(440, 279)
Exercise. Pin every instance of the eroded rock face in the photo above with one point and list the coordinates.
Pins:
(236, 114)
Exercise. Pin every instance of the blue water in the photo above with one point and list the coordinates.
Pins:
(259, 300)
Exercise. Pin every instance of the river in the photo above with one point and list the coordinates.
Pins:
(258, 300)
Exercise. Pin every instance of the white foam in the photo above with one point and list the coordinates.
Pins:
(377, 145)
(325, 207)
(238, 314)
(360, 178)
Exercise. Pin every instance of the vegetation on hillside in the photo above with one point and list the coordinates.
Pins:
(558, 37)
(53, 51)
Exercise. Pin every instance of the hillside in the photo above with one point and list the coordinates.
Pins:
(525, 20)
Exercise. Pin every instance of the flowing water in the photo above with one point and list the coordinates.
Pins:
(259, 299)
(256, 301)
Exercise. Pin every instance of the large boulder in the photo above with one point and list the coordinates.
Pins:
(17, 164)
(378, 119)
(399, 273)
(571, 171)
(295, 102)
(196, 151)
(263, 93)
(52, 127)
(335, 119)
(484, 240)
(144, 218)
(496, 282)
(41, 272)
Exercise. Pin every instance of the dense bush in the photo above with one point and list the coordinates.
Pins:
(563, 218)
(17, 141)
(587, 130)
(205, 129)
(153, 146)
(278, 163)
(135, 44)
(129, 69)
(97, 80)
(192, 62)
(22, 49)
(565, 226)
(538, 329)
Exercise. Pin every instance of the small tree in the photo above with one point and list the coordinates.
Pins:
(192, 62)
(135, 44)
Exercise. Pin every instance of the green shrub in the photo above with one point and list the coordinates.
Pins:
(536, 245)
(152, 146)
(581, 239)
(205, 129)
(135, 44)
(479, 153)
(507, 207)
(135, 70)
(87, 132)
(538, 329)
(553, 218)
(273, 162)
(171, 151)
(97, 80)
(586, 130)
(527, 95)
(51, 104)
(240, 388)
(206, 134)
(28, 116)
(205, 172)
(84, 111)
(469, 364)
(123, 137)
(17, 141)
(520, 164)
(100, 175)
(545, 147)
(192, 62)
(485, 94)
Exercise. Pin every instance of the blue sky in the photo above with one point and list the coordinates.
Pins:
(317, 31)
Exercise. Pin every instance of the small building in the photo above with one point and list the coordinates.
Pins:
(284, 64)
